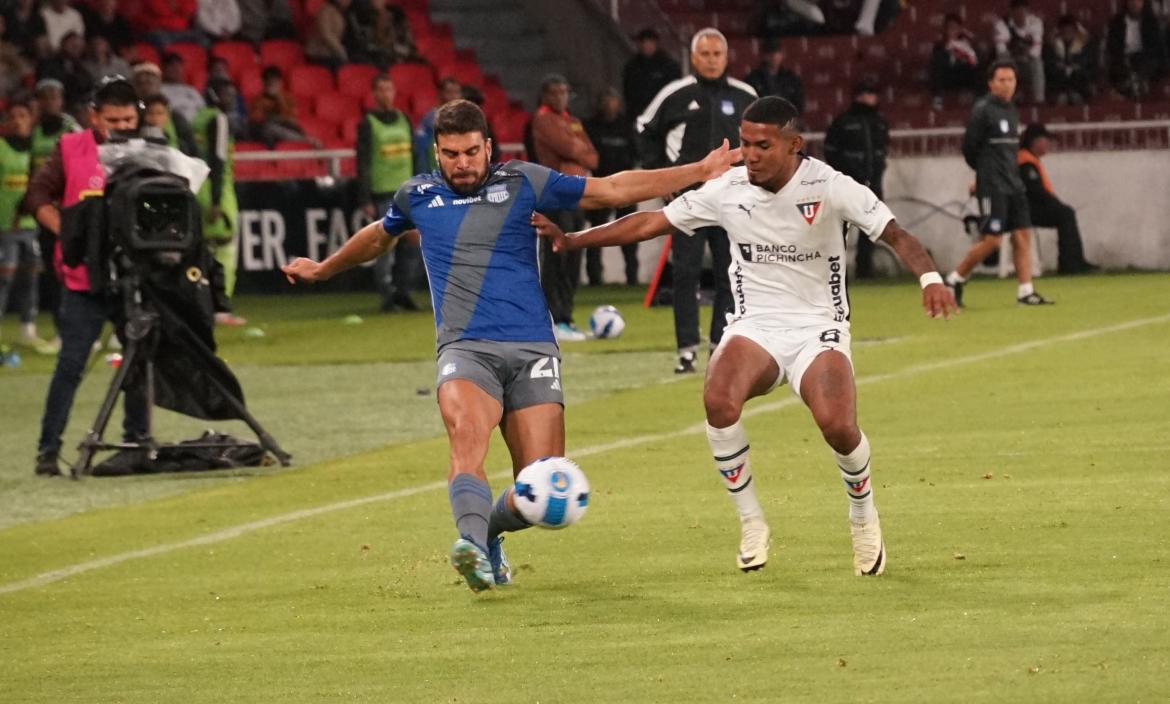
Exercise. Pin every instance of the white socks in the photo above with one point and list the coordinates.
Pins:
(729, 446)
(855, 471)
(954, 278)
(1025, 290)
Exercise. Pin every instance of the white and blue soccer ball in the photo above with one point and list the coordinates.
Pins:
(606, 322)
(552, 492)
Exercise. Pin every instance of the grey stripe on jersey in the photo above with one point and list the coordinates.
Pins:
(475, 243)
(537, 176)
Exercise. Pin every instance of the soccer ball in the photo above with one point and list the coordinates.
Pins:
(552, 492)
(606, 322)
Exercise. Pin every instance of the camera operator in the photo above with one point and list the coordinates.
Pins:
(72, 174)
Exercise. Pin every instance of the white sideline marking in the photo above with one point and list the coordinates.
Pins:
(242, 529)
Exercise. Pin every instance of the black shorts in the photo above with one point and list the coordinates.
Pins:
(1004, 212)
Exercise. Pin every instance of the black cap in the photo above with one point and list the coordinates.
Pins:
(866, 85)
(1032, 132)
(647, 33)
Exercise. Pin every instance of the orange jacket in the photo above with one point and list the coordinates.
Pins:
(1026, 157)
(561, 143)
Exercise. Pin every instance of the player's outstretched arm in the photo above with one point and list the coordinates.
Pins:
(368, 243)
(632, 228)
(629, 187)
(937, 299)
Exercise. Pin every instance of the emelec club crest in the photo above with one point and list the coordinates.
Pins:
(809, 210)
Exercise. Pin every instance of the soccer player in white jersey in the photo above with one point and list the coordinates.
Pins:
(784, 213)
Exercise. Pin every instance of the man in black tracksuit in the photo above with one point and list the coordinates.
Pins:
(989, 147)
(687, 119)
(856, 145)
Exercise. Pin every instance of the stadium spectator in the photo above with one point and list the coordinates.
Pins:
(71, 174)
(15, 69)
(19, 249)
(26, 29)
(792, 320)
(1135, 49)
(647, 72)
(772, 78)
(218, 68)
(954, 63)
(102, 19)
(856, 144)
(784, 18)
(1020, 37)
(989, 146)
(424, 134)
(218, 19)
(147, 80)
(217, 196)
(101, 61)
(498, 361)
(613, 135)
(1071, 63)
(1048, 210)
(184, 99)
(673, 131)
(386, 34)
(61, 20)
(334, 34)
(473, 94)
(157, 113)
(266, 19)
(68, 67)
(385, 161)
(163, 22)
(272, 113)
(559, 142)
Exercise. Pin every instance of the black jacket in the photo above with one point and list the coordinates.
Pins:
(783, 83)
(644, 76)
(690, 117)
(990, 145)
(856, 145)
(616, 144)
(1153, 45)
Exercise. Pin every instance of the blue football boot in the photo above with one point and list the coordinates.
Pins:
(501, 570)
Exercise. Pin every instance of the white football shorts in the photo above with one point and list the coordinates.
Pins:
(792, 348)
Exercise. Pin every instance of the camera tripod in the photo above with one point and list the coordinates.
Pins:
(141, 329)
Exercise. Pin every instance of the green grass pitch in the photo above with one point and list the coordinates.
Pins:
(1020, 466)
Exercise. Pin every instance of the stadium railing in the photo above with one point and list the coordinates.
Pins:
(1085, 136)
(1091, 136)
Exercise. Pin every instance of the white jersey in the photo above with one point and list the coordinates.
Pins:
(787, 248)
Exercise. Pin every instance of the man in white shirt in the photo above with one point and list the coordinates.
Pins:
(784, 213)
(61, 19)
(182, 96)
(1020, 37)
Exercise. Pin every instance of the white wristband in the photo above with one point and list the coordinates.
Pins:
(930, 277)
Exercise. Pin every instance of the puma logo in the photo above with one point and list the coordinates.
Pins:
(746, 209)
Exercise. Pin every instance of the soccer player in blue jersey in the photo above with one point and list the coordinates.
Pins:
(498, 361)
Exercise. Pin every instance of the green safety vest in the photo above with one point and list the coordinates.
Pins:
(218, 230)
(391, 162)
(13, 184)
(171, 133)
(43, 143)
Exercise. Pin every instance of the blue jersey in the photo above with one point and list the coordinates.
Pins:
(480, 249)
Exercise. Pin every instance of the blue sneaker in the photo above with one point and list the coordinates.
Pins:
(469, 560)
(501, 570)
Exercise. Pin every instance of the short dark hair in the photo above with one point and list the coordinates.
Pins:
(999, 64)
(170, 57)
(156, 99)
(379, 78)
(115, 91)
(271, 72)
(20, 99)
(459, 117)
(449, 80)
(771, 110)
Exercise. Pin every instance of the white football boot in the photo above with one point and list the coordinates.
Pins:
(753, 544)
(869, 550)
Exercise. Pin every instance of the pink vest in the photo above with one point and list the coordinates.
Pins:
(84, 178)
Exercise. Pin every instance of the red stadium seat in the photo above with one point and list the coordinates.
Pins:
(436, 49)
(323, 130)
(354, 79)
(307, 80)
(252, 170)
(142, 52)
(298, 168)
(349, 133)
(194, 58)
(282, 53)
(249, 82)
(337, 108)
(311, 7)
(239, 55)
(410, 77)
